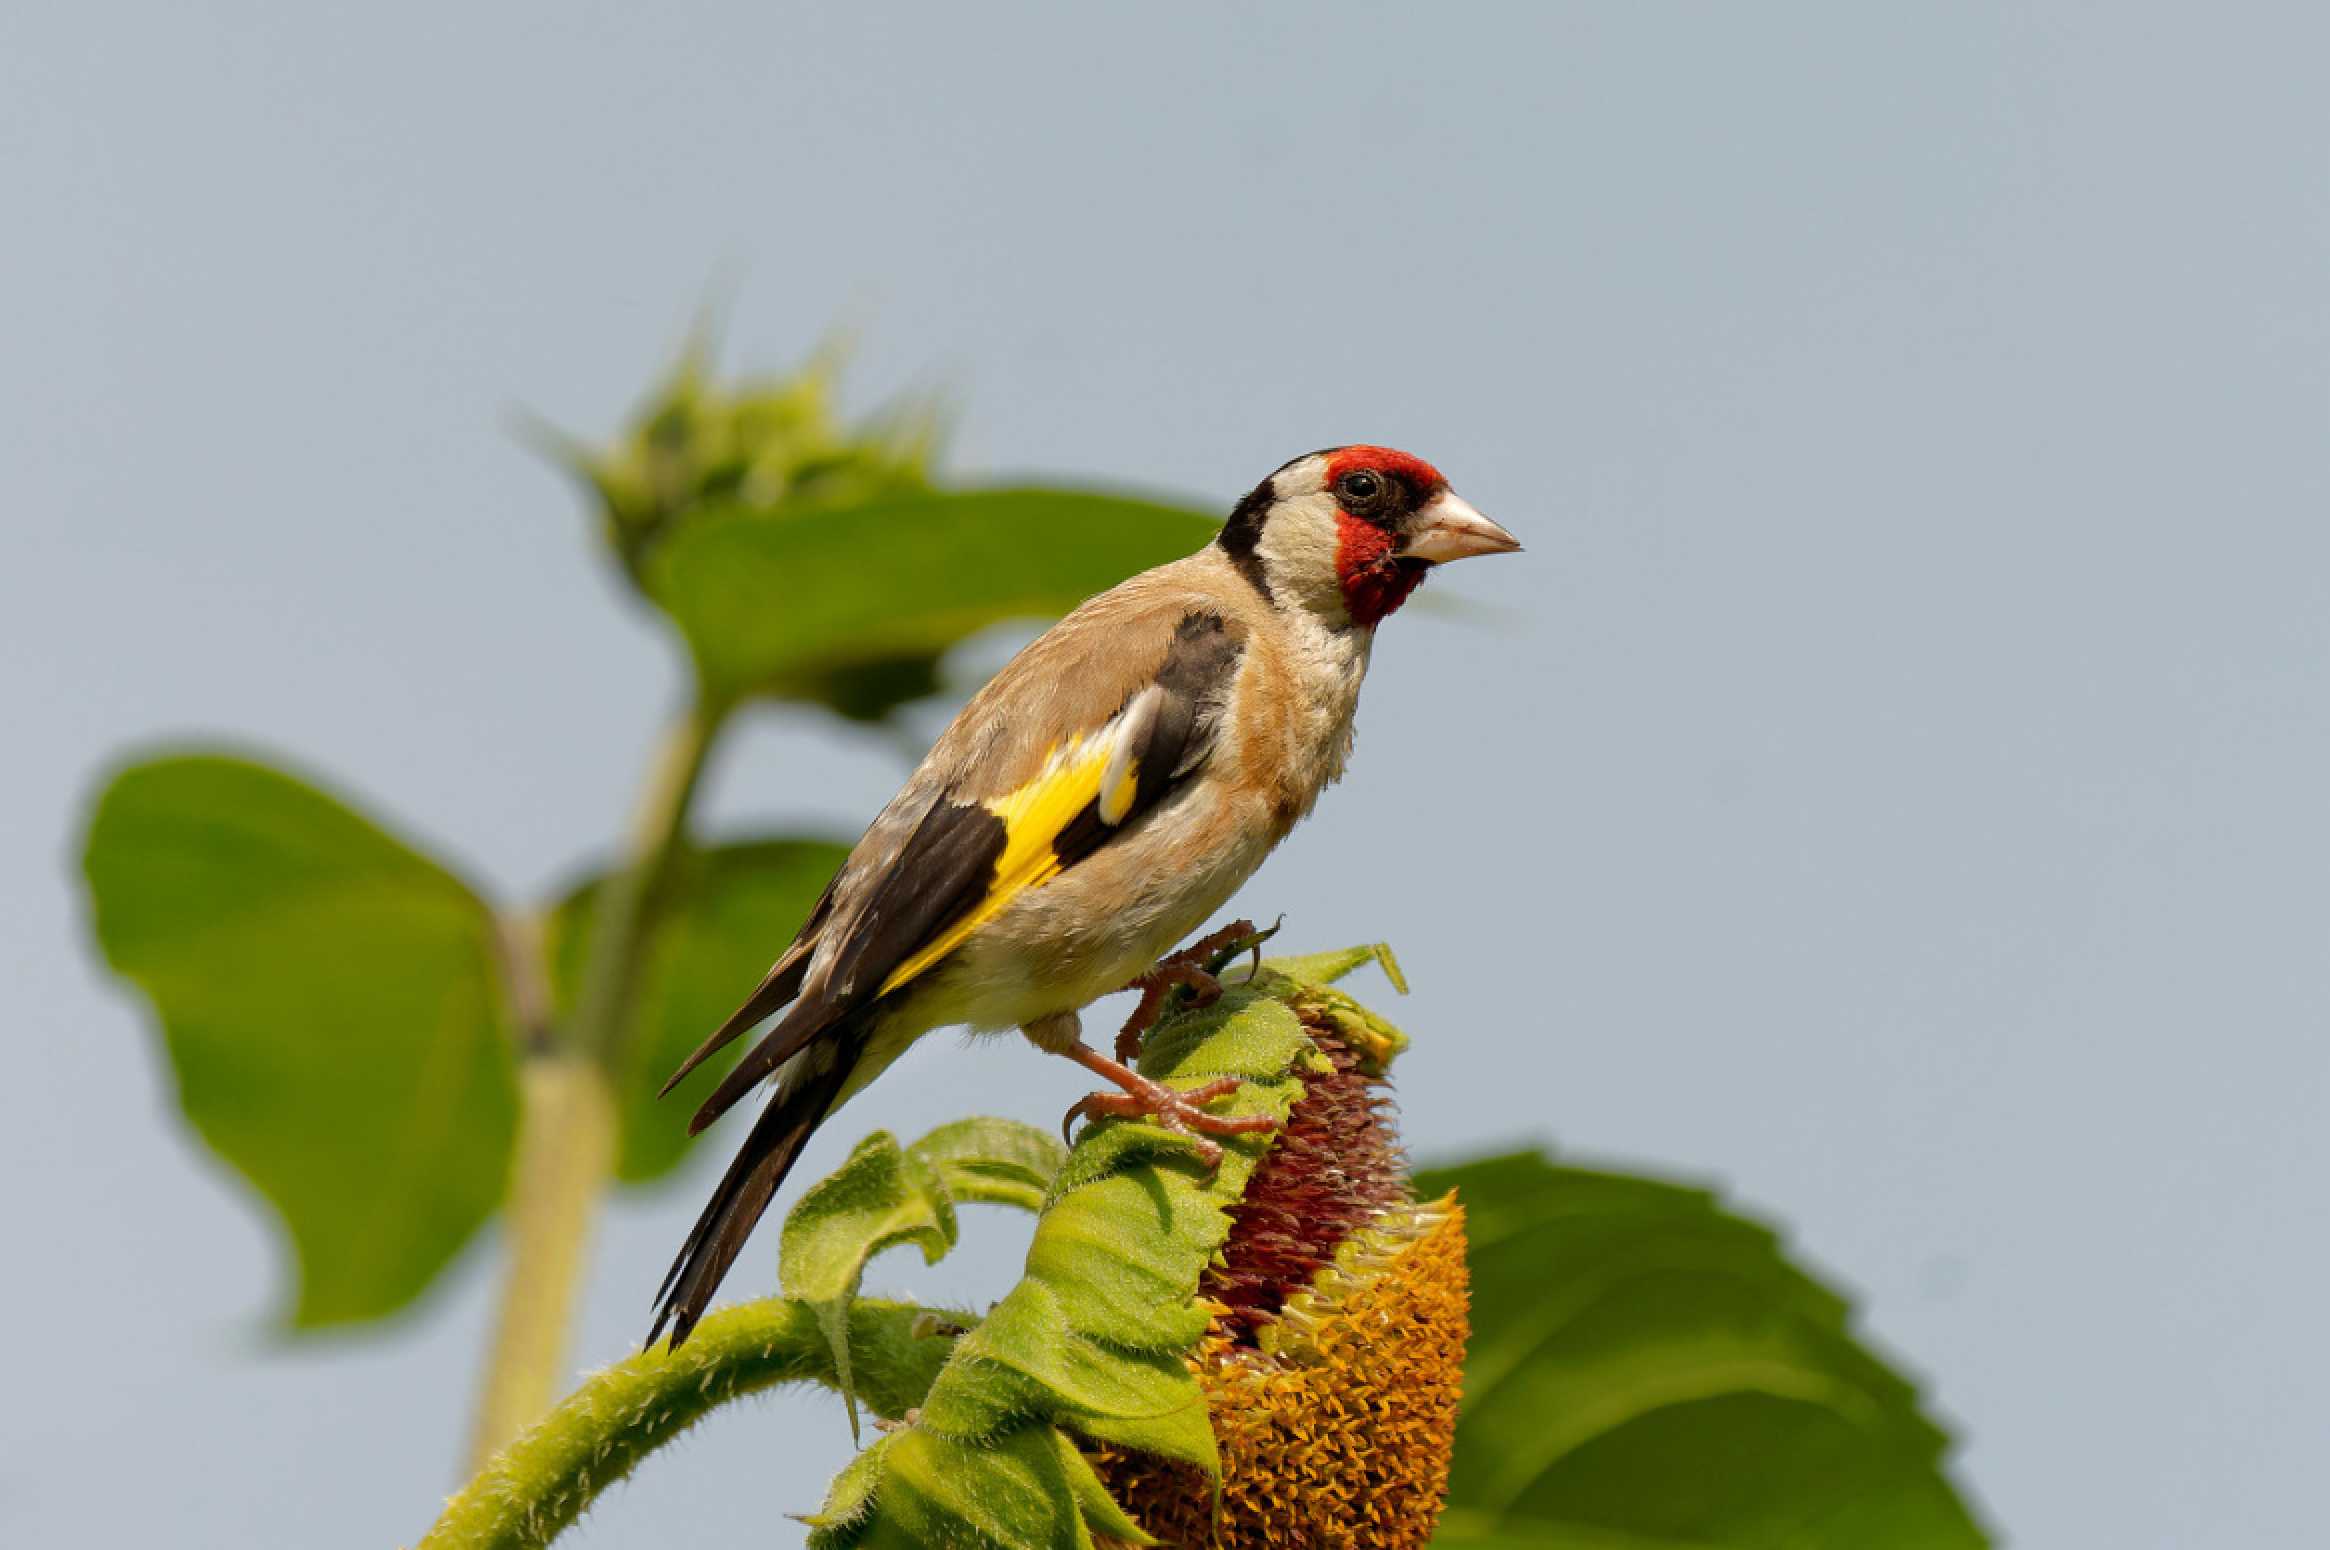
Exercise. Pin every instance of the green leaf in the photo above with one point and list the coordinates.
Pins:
(803, 604)
(329, 1003)
(876, 1200)
(885, 1195)
(851, 1496)
(1031, 1360)
(727, 914)
(925, 1490)
(1649, 1370)
(869, 691)
(996, 1161)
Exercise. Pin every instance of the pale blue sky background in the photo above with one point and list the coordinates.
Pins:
(1899, 790)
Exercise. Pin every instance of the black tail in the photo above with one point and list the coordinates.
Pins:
(750, 1183)
(783, 983)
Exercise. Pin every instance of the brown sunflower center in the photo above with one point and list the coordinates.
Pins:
(1334, 1168)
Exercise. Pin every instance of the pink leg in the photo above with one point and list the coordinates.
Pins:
(1144, 1098)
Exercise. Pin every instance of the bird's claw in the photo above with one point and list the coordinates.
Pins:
(1239, 936)
(1181, 1111)
(1193, 967)
(1155, 986)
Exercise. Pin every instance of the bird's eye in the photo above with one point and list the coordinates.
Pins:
(1360, 487)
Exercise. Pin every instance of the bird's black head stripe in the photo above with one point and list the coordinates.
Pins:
(1242, 534)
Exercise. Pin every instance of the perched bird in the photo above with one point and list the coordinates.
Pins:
(1094, 805)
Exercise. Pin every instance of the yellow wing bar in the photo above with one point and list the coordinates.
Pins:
(1033, 817)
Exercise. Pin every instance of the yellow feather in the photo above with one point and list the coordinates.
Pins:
(1033, 817)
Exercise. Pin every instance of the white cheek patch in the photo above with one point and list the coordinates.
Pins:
(1300, 547)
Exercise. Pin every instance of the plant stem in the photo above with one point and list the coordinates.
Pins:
(598, 1434)
(631, 897)
(567, 1132)
(566, 1150)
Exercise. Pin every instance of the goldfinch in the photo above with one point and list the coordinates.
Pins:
(1091, 807)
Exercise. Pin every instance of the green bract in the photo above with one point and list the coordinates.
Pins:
(761, 444)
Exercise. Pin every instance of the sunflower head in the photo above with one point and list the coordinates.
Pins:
(701, 447)
(1263, 1354)
(1332, 1366)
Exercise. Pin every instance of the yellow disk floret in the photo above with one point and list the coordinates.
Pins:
(1336, 1430)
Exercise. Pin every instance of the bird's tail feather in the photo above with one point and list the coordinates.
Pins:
(782, 984)
(751, 1181)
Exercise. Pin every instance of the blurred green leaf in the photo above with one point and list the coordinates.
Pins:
(330, 1004)
(791, 605)
(869, 691)
(729, 912)
(1648, 1370)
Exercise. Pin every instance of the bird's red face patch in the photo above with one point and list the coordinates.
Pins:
(1422, 476)
(1375, 581)
(1376, 491)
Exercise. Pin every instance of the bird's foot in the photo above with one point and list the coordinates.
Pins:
(1179, 1110)
(1155, 986)
(1195, 967)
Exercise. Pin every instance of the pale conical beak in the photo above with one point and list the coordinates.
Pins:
(1447, 528)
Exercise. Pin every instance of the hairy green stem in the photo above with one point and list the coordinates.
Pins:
(546, 1478)
(567, 1129)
